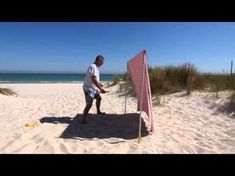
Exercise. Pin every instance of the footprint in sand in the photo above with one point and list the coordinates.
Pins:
(37, 139)
(63, 148)
(100, 144)
(229, 142)
(7, 145)
(201, 150)
(133, 148)
(19, 149)
(188, 149)
(46, 147)
(17, 135)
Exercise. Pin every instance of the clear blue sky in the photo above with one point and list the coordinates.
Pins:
(72, 47)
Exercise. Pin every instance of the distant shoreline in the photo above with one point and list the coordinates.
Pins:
(39, 73)
(47, 82)
(48, 78)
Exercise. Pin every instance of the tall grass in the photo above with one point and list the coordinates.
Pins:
(6, 91)
(233, 97)
(116, 79)
(170, 79)
(127, 86)
(157, 78)
(191, 73)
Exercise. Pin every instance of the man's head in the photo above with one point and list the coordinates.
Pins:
(99, 60)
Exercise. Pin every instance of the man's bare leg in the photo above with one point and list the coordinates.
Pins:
(98, 101)
(85, 112)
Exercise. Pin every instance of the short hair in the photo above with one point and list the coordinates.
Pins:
(99, 57)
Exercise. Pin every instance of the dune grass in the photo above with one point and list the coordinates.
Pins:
(185, 77)
(116, 79)
(127, 86)
(6, 91)
(170, 79)
(233, 97)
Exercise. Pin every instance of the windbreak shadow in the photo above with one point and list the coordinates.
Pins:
(125, 126)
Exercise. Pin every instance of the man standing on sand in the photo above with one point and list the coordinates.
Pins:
(90, 85)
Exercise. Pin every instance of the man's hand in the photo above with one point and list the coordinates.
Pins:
(102, 90)
(98, 85)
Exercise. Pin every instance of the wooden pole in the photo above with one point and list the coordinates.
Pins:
(231, 71)
(141, 100)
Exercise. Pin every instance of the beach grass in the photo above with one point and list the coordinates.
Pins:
(7, 91)
(116, 79)
(185, 77)
(171, 79)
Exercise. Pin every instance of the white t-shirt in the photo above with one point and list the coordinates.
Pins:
(88, 83)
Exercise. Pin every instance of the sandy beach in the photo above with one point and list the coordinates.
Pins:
(46, 118)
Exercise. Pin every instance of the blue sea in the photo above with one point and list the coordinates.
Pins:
(47, 78)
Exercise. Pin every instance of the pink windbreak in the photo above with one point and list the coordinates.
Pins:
(138, 71)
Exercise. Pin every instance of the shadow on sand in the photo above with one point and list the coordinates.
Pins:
(123, 126)
(227, 108)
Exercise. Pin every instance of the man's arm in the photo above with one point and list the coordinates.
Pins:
(98, 85)
(101, 85)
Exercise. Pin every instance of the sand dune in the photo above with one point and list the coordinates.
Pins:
(46, 118)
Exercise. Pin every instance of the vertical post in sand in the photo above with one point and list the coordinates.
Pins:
(141, 101)
(126, 94)
(125, 105)
(231, 71)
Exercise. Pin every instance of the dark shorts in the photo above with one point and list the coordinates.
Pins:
(90, 96)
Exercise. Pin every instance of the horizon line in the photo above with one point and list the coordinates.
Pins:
(55, 72)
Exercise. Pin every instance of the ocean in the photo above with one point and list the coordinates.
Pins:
(47, 78)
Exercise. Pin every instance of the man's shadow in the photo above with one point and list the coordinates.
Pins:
(125, 126)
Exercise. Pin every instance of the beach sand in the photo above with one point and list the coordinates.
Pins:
(46, 118)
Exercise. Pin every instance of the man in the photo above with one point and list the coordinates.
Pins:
(90, 85)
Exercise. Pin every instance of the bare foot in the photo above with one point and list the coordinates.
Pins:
(101, 113)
